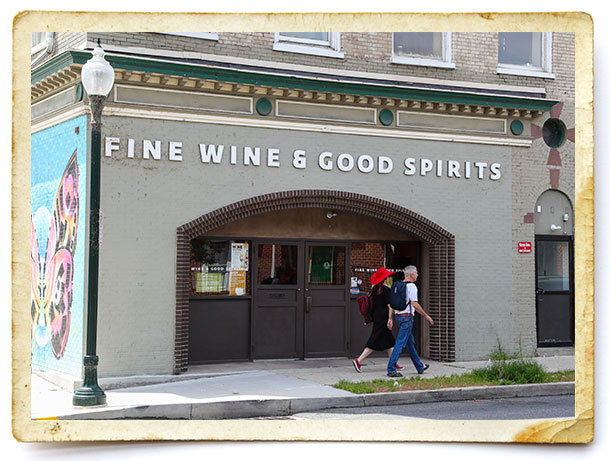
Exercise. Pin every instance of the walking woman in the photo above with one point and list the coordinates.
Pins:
(381, 338)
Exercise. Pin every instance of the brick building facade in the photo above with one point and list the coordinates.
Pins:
(334, 154)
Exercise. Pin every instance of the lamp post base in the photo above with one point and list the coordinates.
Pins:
(89, 394)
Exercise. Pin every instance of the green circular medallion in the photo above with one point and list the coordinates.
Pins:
(516, 127)
(386, 117)
(79, 92)
(263, 106)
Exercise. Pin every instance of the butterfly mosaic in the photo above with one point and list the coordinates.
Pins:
(52, 278)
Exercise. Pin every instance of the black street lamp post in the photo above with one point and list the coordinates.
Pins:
(97, 77)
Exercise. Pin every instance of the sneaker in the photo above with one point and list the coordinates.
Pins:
(399, 368)
(356, 365)
(395, 375)
(426, 366)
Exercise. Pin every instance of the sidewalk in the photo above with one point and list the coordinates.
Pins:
(267, 388)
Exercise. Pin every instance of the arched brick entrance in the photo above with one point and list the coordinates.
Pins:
(441, 264)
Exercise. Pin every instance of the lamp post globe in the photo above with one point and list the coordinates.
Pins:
(97, 74)
(97, 77)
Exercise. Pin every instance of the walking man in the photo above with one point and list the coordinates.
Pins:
(404, 318)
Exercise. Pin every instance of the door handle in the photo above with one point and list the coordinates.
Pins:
(307, 304)
(539, 291)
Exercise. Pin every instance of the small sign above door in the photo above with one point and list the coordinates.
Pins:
(524, 247)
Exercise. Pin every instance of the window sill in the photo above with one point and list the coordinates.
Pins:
(525, 72)
(422, 62)
(39, 47)
(201, 35)
(311, 50)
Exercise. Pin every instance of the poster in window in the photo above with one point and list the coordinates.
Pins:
(239, 257)
(209, 282)
(237, 284)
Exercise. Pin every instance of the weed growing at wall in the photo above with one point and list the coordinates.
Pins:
(511, 369)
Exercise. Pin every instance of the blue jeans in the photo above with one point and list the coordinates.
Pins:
(405, 338)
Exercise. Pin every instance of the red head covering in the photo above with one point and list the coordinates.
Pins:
(380, 275)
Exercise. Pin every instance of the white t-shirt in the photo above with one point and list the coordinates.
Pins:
(411, 295)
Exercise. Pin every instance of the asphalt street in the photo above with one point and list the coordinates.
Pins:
(561, 406)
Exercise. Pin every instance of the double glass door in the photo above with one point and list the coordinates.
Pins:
(301, 298)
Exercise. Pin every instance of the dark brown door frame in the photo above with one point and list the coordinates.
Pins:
(256, 288)
(313, 293)
(553, 238)
(302, 290)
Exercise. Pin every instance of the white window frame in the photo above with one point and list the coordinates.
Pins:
(203, 35)
(546, 71)
(329, 49)
(40, 46)
(445, 62)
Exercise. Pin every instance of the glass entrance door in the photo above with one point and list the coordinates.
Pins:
(554, 291)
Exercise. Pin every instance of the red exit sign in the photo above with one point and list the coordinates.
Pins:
(524, 247)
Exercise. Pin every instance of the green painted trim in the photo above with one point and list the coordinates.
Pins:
(58, 63)
(291, 82)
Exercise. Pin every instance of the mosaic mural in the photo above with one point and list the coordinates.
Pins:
(57, 246)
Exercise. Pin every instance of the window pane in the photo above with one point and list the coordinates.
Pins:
(520, 48)
(322, 36)
(219, 267)
(277, 264)
(419, 44)
(326, 265)
(366, 258)
(38, 37)
(553, 260)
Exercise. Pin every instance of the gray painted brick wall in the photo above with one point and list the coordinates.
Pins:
(144, 201)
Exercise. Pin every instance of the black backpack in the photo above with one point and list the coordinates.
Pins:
(398, 296)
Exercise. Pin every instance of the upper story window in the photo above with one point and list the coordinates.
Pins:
(39, 41)
(525, 53)
(317, 43)
(422, 49)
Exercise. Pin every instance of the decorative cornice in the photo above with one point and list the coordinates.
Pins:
(53, 82)
(209, 77)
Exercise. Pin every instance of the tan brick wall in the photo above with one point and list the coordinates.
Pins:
(474, 55)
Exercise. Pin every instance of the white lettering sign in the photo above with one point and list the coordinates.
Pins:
(299, 160)
(148, 149)
(112, 144)
(175, 151)
(385, 165)
(345, 162)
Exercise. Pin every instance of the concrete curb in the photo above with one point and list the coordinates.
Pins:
(234, 409)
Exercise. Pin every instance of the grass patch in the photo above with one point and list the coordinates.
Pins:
(503, 369)
(473, 378)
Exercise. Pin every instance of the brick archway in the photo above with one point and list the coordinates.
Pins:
(441, 244)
